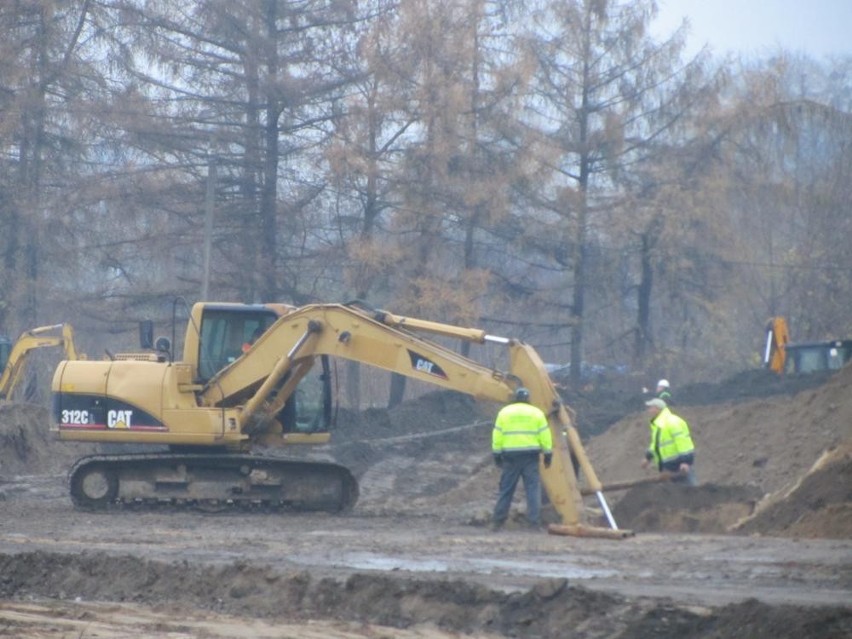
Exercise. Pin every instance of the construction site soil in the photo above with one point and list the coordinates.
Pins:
(762, 548)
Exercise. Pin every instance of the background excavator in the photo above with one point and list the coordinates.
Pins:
(783, 356)
(218, 419)
(14, 356)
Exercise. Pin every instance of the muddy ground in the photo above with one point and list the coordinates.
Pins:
(763, 548)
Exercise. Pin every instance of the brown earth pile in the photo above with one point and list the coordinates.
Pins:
(28, 448)
(818, 505)
(768, 443)
(763, 447)
(430, 456)
(549, 610)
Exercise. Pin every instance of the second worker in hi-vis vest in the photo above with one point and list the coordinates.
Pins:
(671, 448)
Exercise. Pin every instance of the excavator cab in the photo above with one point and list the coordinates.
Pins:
(812, 357)
(785, 357)
(229, 331)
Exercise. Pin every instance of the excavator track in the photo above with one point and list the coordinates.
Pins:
(212, 483)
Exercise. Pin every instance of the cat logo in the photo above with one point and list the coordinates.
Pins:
(424, 365)
(119, 418)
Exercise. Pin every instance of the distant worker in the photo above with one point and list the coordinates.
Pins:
(521, 434)
(663, 392)
(671, 448)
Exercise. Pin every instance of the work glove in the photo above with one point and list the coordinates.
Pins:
(548, 458)
(498, 459)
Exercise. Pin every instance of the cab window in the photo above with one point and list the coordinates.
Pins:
(226, 335)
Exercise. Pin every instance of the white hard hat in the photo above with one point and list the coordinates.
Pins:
(663, 383)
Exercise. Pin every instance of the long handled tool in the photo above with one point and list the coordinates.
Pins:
(624, 485)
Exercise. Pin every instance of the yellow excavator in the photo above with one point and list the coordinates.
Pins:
(785, 357)
(14, 356)
(254, 379)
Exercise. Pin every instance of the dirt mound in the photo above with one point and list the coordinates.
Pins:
(599, 404)
(27, 447)
(750, 385)
(819, 505)
(766, 444)
(547, 610)
(668, 507)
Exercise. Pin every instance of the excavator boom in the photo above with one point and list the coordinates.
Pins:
(777, 338)
(15, 361)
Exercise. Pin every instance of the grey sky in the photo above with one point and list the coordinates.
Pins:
(754, 27)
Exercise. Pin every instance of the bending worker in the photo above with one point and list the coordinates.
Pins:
(520, 435)
(671, 448)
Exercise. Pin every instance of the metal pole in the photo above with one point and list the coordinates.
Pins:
(209, 206)
(606, 510)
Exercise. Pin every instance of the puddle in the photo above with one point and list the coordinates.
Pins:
(487, 566)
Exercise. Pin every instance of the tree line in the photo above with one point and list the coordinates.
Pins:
(546, 170)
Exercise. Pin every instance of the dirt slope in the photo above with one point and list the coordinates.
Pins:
(176, 595)
(819, 504)
(762, 447)
(28, 448)
(430, 457)
(768, 443)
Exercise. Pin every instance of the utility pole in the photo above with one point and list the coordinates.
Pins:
(209, 208)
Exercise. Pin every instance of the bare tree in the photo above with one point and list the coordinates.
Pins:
(42, 77)
(607, 104)
(252, 83)
(411, 148)
(786, 144)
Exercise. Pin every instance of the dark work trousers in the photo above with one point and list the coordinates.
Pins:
(516, 466)
(688, 478)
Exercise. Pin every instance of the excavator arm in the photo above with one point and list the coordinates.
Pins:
(284, 353)
(777, 338)
(40, 337)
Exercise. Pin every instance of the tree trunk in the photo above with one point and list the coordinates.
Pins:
(643, 316)
(397, 390)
